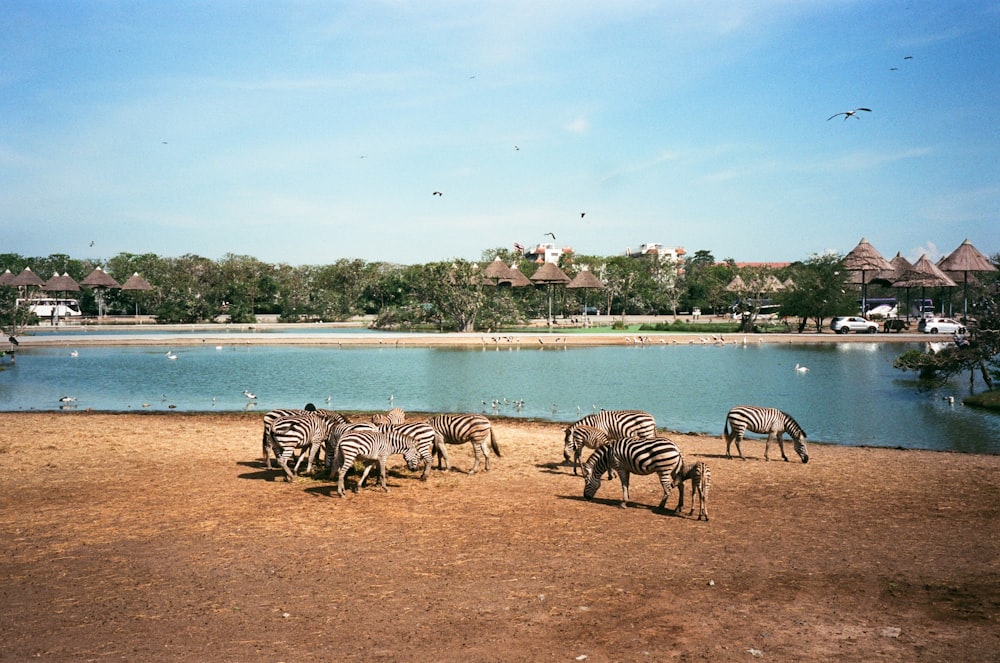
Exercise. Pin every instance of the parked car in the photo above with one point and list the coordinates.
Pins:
(942, 326)
(847, 324)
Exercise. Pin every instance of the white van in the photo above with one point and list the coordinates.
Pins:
(45, 308)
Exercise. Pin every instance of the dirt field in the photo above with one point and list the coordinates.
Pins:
(160, 537)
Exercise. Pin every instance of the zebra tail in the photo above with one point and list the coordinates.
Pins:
(493, 442)
(725, 431)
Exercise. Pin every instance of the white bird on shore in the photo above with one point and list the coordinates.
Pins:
(801, 369)
(171, 355)
(74, 353)
(249, 395)
(67, 399)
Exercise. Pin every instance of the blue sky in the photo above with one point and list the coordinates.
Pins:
(304, 132)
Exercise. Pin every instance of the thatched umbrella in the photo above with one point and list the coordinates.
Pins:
(517, 278)
(549, 275)
(99, 281)
(864, 258)
(137, 284)
(586, 279)
(900, 266)
(736, 285)
(63, 284)
(924, 274)
(6, 278)
(497, 272)
(966, 259)
(27, 279)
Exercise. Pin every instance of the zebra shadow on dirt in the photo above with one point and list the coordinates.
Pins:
(616, 503)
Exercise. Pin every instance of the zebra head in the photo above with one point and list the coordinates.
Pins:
(412, 459)
(800, 447)
(595, 466)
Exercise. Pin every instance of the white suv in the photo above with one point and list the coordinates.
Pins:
(941, 326)
(847, 324)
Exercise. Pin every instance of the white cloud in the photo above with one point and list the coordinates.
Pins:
(579, 125)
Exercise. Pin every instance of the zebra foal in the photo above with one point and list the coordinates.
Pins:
(580, 437)
(701, 480)
(463, 429)
(373, 447)
(768, 420)
(633, 455)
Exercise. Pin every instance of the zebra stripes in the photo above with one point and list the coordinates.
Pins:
(275, 415)
(373, 447)
(462, 429)
(701, 480)
(580, 437)
(305, 433)
(768, 420)
(618, 424)
(633, 455)
(393, 417)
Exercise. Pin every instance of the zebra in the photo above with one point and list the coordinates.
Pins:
(274, 415)
(700, 477)
(339, 431)
(580, 437)
(768, 420)
(305, 432)
(462, 428)
(393, 417)
(373, 447)
(423, 440)
(618, 424)
(634, 455)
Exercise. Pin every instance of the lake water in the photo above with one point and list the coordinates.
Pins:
(851, 394)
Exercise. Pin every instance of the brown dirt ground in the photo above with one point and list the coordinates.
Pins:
(161, 537)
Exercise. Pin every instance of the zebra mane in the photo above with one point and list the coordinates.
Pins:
(793, 427)
(599, 461)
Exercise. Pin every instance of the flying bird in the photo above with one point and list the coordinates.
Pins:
(850, 113)
(583, 214)
(437, 193)
(551, 235)
(908, 57)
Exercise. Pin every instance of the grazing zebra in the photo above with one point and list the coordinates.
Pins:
(339, 431)
(274, 415)
(768, 420)
(633, 455)
(393, 417)
(373, 447)
(701, 480)
(462, 428)
(618, 424)
(423, 441)
(580, 437)
(305, 433)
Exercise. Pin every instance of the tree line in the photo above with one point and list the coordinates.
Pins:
(454, 295)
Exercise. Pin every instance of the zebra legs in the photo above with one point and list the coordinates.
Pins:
(668, 485)
(624, 476)
(781, 446)
(477, 449)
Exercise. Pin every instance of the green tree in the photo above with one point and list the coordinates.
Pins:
(820, 290)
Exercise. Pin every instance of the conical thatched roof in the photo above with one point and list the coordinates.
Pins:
(736, 285)
(585, 279)
(64, 283)
(6, 278)
(517, 278)
(864, 258)
(772, 284)
(549, 273)
(99, 279)
(966, 258)
(900, 265)
(923, 274)
(136, 282)
(497, 271)
(27, 278)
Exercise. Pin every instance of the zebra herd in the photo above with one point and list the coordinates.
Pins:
(294, 436)
(623, 442)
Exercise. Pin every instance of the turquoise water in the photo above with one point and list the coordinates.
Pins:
(851, 394)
